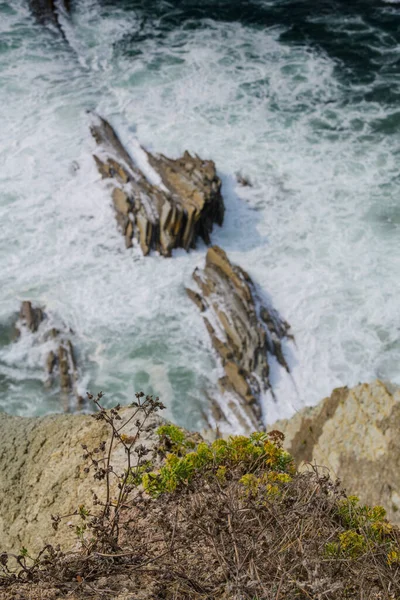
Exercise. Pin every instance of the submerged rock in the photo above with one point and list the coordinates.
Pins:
(244, 334)
(353, 432)
(180, 204)
(60, 363)
(243, 180)
(46, 11)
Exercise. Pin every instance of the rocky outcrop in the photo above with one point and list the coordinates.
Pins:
(46, 11)
(166, 203)
(354, 433)
(244, 333)
(42, 474)
(60, 363)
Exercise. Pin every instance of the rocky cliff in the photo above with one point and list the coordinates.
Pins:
(354, 433)
(42, 473)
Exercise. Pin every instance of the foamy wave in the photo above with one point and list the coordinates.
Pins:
(317, 231)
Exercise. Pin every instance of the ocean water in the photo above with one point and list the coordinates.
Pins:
(300, 97)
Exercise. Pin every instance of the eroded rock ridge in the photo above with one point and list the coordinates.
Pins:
(168, 204)
(244, 332)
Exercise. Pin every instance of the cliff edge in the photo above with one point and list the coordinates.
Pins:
(354, 433)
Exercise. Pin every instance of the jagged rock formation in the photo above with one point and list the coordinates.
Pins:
(46, 11)
(243, 332)
(60, 363)
(354, 433)
(30, 317)
(181, 203)
(42, 473)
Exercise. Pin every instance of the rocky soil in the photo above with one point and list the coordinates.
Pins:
(180, 204)
(244, 333)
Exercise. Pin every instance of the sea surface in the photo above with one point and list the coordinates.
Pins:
(301, 97)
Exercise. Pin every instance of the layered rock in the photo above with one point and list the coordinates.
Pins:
(245, 334)
(354, 433)
(168, 204)
(60, 363)
(42, 473)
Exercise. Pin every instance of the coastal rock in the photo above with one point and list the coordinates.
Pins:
(30, 317)
(46, 11)
(353, 432)
(243, 332)
(42, 473)
(166, 205)
(60, 363)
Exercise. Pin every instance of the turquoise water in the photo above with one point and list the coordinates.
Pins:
(301, 99)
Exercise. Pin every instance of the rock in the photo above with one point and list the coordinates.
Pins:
(60, 361)
(243, 332)
(243, 180)
(51, 362)
(30, 317)
(180, 204)
(42, 473)
(353, 432)
(196, 298)
(46, 11)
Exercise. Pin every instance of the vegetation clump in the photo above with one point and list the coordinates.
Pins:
(257, 453)
(190, 520)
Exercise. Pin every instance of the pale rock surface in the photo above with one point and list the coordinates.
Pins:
(42, 473)
(355, 434)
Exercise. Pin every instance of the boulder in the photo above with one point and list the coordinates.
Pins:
(244, 333)
(60, 364)
(353, 432)
(166, 205)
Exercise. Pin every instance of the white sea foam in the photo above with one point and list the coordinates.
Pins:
(318, 231)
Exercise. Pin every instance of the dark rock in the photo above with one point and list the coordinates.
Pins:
(46, 11)
(243, 331)
(243, 180)
(174, 213)
(51, 362)
(30, 317)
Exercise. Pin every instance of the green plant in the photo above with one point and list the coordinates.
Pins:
(257, 452)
